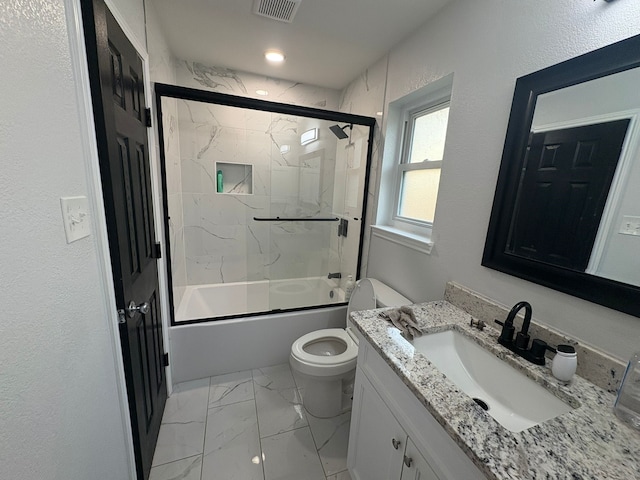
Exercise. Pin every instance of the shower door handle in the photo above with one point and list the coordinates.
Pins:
(298, 219)
(132, 308)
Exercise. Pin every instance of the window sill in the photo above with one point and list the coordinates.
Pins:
(418, 243)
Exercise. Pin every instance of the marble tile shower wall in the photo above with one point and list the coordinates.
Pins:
(365, 96)
(162, 70)
(223, 243)
(256, 260)
(351, 162)
(244, 84)
(174, 196)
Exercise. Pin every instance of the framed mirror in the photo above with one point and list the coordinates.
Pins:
(566, 212)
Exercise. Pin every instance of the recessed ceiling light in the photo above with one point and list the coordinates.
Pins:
(264, 93)
(274, 56)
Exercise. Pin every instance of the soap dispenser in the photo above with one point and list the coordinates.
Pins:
(219, 182)
(627, 405)
(564, 363)
(348, 288)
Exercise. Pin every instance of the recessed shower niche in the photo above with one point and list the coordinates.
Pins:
(252, 214)
(234, 178)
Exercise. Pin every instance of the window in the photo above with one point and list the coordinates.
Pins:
(419, 163)
(416, 128)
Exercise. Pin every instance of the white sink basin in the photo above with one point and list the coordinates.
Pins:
(513, 400)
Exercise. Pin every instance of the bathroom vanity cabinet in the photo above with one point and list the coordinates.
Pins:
(393, 436)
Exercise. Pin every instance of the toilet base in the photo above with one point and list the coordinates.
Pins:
(326, 398)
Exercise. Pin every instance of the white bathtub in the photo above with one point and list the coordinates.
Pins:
(205, 349)
(222, 300)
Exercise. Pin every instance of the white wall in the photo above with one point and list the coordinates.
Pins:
(487, 45)
(132, 12)
(60, 412)
(161, 70)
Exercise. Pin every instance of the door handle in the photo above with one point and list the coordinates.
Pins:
(408, 461)
(132, 308)
(395, 443)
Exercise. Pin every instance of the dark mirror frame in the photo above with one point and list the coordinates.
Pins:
(608, 60)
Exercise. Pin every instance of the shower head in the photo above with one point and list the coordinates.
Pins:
(338, 131)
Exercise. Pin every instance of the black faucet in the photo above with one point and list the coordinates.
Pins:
(334, 275)
(521, 345)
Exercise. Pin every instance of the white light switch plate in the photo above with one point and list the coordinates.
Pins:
(630, 225)
(75, 215)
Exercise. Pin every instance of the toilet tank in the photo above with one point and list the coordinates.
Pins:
(385, 296)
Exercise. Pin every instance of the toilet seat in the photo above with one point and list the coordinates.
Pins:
(325, 365)
(327, 376)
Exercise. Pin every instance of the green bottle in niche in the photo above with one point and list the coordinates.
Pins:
(219, 181)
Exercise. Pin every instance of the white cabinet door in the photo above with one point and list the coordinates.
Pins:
(377, 441)
(414, 466)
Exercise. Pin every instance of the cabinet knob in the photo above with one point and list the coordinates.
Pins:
(395, 443)
(407, 461)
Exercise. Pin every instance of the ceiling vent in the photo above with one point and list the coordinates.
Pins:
(281, 10)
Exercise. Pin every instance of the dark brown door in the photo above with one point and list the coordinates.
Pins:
(117, 86)
(563, 191)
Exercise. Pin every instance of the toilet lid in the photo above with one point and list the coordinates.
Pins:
(363, 297)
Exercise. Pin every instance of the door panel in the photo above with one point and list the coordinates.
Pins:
(117, 85)
(567, 176)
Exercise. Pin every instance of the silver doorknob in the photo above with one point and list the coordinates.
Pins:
(395, 443)
(132, 308)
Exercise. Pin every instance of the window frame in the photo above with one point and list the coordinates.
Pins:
(409, 115)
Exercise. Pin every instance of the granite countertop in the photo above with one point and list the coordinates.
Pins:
(589, 442)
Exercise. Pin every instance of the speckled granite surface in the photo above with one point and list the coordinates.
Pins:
(587, 443)
(594, 365)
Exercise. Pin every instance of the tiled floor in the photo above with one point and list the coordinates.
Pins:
(248, 426)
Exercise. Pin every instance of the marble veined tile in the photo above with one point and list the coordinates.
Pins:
(279, 410)
(188, 402)
(331, 437)
(179, 440)
(291, 455)
(276, 377)
(340, 476)
(232, 446)
(231, 388)
(278, 401)
(186, 469)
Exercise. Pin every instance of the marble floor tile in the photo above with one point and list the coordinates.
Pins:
(230, 388)
(276, 377)
(279, 410)
(278, 401)
(340, 476)
(232, 446)
(188, 402)
(331, 437)
(178, 440)
(186, 469)
(291, 456)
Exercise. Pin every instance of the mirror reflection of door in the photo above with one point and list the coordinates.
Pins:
(563, 191)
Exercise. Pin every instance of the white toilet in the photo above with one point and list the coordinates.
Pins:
(325, 360)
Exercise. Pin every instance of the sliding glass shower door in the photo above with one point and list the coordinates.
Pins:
(264, 207)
